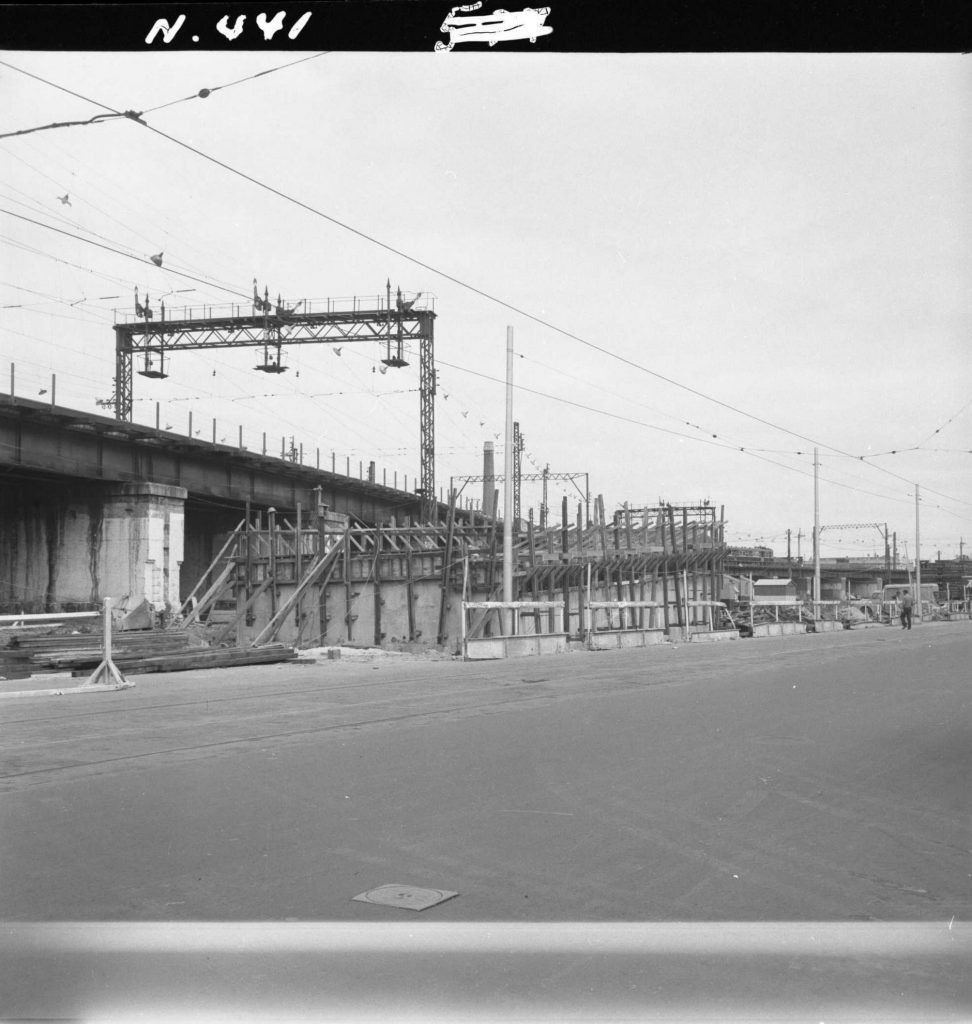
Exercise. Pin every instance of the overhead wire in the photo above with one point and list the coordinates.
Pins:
(945, 424)
(133, 256)
(97, 119)
(628, 419)
(465, 285)
(432, 269)
(475, 290)
(17, 244)
(120, 252)
(206, 92)
(576, 404)
(139, 214)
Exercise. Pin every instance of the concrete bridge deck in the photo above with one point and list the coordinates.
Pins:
(93, 506)
(65, 443)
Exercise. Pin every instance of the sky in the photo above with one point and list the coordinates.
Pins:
(712, 264)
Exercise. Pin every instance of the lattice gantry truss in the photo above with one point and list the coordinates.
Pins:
(392, 321)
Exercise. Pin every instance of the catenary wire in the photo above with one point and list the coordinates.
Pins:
(472, 288)
(205, 93)
(462, 284)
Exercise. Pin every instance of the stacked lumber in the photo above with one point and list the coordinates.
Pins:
(14, 664)
(202, 657)
(25, 652)
(53, 652)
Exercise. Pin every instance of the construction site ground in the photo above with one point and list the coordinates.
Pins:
(776, 827)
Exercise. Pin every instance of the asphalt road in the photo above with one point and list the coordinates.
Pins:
(764, 827)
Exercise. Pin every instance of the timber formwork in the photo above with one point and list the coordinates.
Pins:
(332, 583)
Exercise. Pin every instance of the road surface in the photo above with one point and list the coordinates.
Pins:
(700, 831)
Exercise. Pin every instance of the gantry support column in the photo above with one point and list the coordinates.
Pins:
(427, 388)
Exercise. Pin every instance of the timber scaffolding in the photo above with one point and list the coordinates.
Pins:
(330, 582)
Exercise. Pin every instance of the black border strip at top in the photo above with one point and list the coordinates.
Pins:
(619, 26)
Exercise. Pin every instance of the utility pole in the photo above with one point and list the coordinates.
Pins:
(508, 481)
(800, 536)
(917, 556)
(788, 549)
(816, 528)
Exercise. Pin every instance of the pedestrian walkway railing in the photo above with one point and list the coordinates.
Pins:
(635, 628)
(892, 609)
(819, 610)
(636, 620)
(776, 603)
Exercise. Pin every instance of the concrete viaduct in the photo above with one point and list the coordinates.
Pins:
(94, 507)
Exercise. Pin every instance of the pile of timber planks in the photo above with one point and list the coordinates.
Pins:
(24, 647)
(24, 653)
(54, 653)
(203, 657)
(14, 663)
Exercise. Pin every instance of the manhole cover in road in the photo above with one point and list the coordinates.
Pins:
(408, 897)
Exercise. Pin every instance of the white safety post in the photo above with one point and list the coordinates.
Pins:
(107, 672)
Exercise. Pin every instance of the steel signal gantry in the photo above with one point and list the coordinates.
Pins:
(392, 322)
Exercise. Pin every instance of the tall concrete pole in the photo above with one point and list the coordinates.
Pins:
(816, 527)
(508, 475)
(917, 594)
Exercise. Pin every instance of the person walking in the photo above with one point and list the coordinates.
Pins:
(907, 603)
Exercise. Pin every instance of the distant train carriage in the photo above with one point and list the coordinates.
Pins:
(758, 554)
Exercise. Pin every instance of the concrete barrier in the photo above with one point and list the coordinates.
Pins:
(779, 628)
(827, 626)
(713, 635)
(491, 648)
(614, 639)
